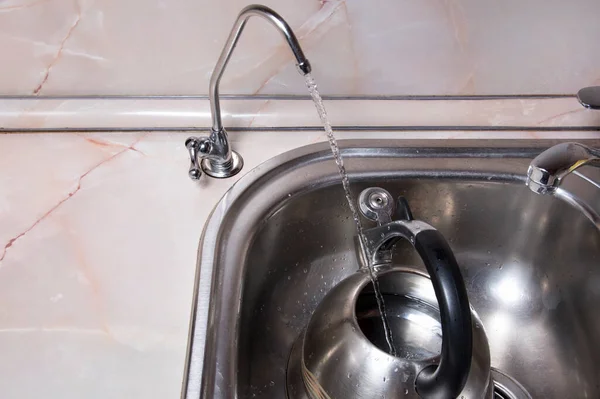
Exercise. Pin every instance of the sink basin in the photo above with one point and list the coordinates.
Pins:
(283, 236)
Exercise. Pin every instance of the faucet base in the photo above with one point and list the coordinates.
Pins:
(223, 170)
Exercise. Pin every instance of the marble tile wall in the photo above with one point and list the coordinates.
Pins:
(375, 47)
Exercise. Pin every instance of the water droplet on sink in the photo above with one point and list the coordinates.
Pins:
(305, 270)
(349, 375)
(406, 391)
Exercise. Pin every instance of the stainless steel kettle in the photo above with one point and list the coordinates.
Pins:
(435, 346)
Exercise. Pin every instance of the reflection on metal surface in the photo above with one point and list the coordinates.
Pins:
(268, 258)
(578, 204)
(311, 383)
(500, 328)
(510, 289)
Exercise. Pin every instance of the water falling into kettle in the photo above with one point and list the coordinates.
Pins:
(316, 96)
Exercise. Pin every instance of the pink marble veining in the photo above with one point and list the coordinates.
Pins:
(98, 240)
(379, 47)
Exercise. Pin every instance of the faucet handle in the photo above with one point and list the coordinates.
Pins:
(589, 97)
(193, 145)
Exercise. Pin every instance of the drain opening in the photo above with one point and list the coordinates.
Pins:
(506, 387)
(500, 393)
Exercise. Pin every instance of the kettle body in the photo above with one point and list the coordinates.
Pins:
(344, 353)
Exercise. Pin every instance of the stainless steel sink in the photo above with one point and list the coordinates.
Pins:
(283, 236)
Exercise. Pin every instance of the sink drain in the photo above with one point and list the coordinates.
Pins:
(500, 393)
(506, 387)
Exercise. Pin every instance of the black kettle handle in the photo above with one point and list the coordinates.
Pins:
(447, 379)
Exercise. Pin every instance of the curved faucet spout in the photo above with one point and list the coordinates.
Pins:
(278, 22)
(547, 170)
(217, 158)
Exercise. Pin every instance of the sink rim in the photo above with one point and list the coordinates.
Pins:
(205, 289)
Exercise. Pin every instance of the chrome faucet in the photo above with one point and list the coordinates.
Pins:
(589, 97)
(548, 169)
(217, 158)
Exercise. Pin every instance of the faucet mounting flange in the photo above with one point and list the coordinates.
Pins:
(223, 170)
